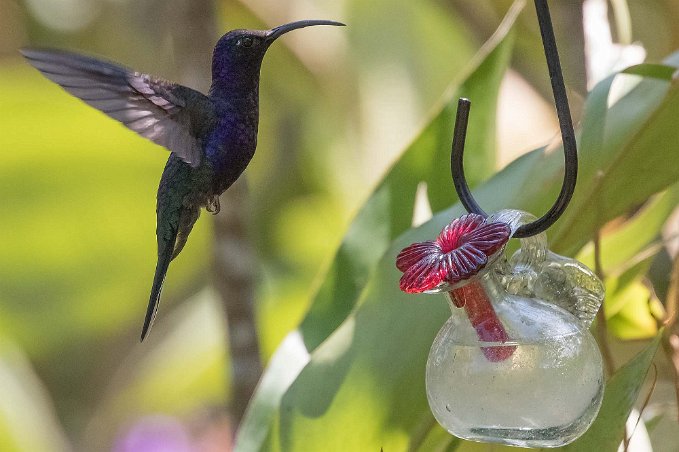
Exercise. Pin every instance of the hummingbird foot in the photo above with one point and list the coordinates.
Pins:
(213, 205)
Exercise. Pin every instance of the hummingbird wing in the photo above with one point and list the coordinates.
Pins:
(169, 114)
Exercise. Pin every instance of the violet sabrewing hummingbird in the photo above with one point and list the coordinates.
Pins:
(211, 138)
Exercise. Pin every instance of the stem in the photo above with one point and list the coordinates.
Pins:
(483, 318)
(623, 21)
(602, 326)
(671, 335)
(671, 347)
(234, 266)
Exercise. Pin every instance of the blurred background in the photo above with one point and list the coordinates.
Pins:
(77, 194)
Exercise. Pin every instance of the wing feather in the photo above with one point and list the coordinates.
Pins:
(166, 113)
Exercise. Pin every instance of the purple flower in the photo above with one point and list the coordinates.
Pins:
(155, 434)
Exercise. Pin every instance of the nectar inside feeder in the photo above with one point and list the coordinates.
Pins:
(515, 363)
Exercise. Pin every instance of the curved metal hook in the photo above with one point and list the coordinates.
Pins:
(567, 137)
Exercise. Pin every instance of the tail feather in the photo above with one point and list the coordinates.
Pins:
(164, 258)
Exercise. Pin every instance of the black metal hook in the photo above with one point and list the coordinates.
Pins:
(567, 137)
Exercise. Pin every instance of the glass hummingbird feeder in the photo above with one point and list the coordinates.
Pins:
(515, 363)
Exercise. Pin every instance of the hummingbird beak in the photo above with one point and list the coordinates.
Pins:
(282, 29)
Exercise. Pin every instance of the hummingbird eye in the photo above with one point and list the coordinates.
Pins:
(246, 41)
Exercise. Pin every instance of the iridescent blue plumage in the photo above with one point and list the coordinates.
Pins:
(211, 138)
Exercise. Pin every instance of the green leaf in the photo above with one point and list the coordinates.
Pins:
(367, 379)
(389, 210)
(624, 144)
(625, 257)
(659, 71)
(630, 316)
(616, 288)
(622, 390)
(637, 239)
(436, 439)
(387, 214)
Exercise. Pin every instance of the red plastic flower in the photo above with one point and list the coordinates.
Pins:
(460, 251)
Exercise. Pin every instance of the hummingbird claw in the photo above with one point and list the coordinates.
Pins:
(213, 205)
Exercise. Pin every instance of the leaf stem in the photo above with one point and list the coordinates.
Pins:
(602, 326)
(670, 340)
(234, 268)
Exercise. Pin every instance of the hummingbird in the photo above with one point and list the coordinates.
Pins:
(211, 138)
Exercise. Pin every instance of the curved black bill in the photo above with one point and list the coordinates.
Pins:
(282, 29)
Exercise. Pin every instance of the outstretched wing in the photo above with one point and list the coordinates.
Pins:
(166, 113)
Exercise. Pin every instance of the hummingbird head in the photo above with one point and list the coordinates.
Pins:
(240, 53)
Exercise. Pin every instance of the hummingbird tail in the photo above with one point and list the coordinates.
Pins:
(164, 258)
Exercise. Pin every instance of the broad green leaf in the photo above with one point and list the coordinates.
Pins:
(386, 214)
(389, 210)
(634, 240)
(437, 439)
(625, 258)
(618, 285)
(629, 142)
(627, 305)
(621, 392)
(659, 71)
(366, 381)
(634, 320)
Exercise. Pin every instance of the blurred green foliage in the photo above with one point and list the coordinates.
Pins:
(64, 162)
(78, 192)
